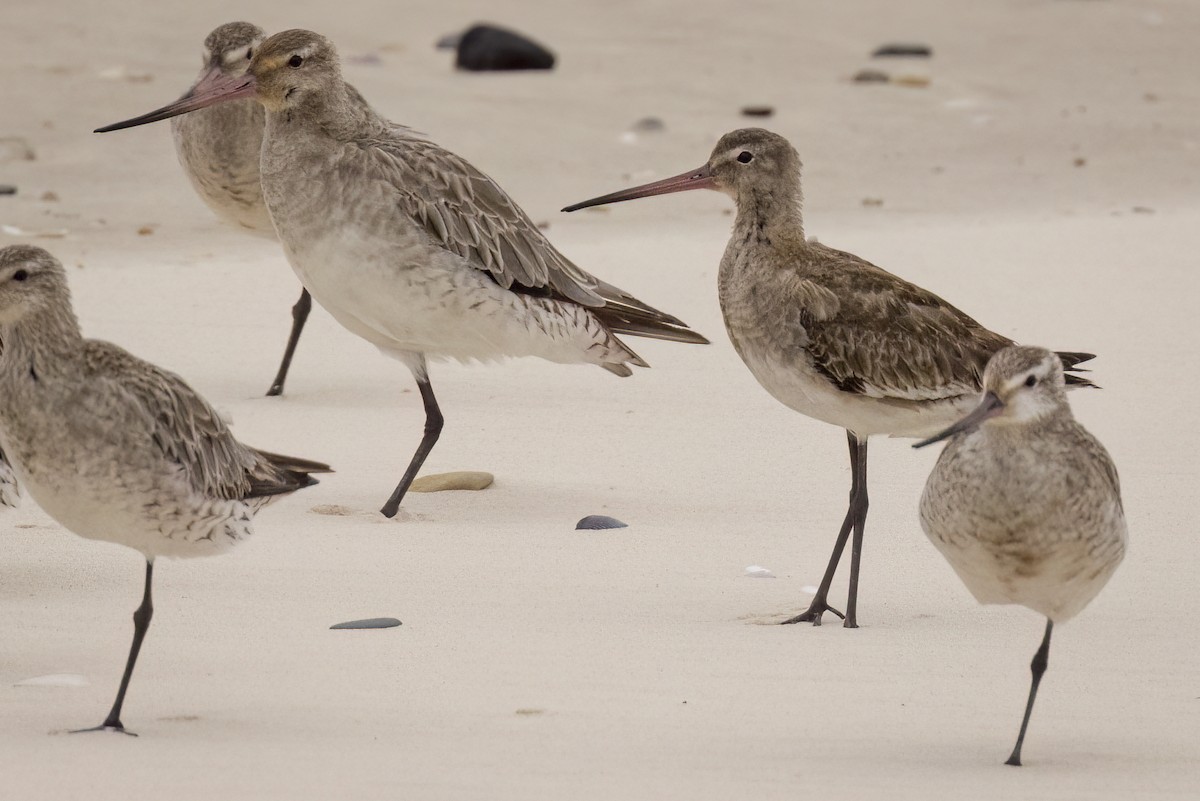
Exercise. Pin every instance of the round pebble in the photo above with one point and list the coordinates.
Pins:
(599, 522)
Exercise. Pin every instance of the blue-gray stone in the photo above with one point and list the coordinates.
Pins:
(598, 522)
(369, 623)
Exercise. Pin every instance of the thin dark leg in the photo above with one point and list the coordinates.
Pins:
(299, 316)
(858, 508)
(1038, 667)
(820, 602)
(433, 428)
(141, 622)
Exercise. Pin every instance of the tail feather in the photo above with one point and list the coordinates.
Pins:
(1070, 362)
(280, 475)
(625, 314)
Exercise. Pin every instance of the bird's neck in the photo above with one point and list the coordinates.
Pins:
(47, 341)
(334, 113)
(769, 214)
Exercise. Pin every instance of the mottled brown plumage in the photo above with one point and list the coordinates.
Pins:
(825, 332)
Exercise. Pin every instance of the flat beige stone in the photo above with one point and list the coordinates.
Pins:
(457, 480)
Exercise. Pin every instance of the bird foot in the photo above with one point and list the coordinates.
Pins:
(106, 726)
(814, 612)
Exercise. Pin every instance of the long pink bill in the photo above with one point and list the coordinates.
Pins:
(989, 407)
(701, 178)
(214, 87)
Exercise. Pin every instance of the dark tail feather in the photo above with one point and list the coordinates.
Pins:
(288, 475)
(625, 314)
(1070, 362)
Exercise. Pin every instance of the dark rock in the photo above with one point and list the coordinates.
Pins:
(5, 189)
(599, 522)
(369, 623)
(488, 48)
(757, 110)
(870, 76)
(648, 125)
(906, 50)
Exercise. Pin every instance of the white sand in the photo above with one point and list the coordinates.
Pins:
(537, 662)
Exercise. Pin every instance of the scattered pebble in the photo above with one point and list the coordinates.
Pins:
(542, 225)
(648, 125)
(1142, 210)
(146, 230)
(758, 571)
(55, 680)
(365, 59)
(871, 76)
(874, 202)
(488, 48)
(1079, 161)
(912, 81)
(15, 148)
(598, 523)
(903, 50)
(49, 197)
(758, 111)
(123, 74)
(6, 189)
(369, 623)
(528, 712)
(458, 480)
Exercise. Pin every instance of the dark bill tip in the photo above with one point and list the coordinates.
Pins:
(988, 407)
(208, 92)
(701, 178)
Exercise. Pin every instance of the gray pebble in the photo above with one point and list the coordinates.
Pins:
(599, 522)
(369, 623)
(903, 50)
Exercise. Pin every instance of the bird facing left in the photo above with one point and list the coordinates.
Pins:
(115, 448)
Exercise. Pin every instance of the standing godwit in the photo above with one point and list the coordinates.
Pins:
(114, 448)
(825, 332)
(219, 149)
(1024, 503)
(407, 244)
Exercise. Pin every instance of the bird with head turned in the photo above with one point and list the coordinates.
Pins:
(1024, 502)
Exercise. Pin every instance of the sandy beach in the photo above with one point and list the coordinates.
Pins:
(1044, 181)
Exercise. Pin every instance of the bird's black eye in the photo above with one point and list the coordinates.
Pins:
(745, 157)
(250, 54)
(1031, 381)
(20, 275)
(295, 61)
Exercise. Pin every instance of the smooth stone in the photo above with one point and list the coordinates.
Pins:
(599, 523)
(758, 571)
(870, 76)
(458, 480)
(903, 50)
(486, 48)
(369, 623)
(758, 111)
(55, 680)
(648, 125)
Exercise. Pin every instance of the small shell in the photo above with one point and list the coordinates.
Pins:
(369, 623)
(758, 571)
(598, 522)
